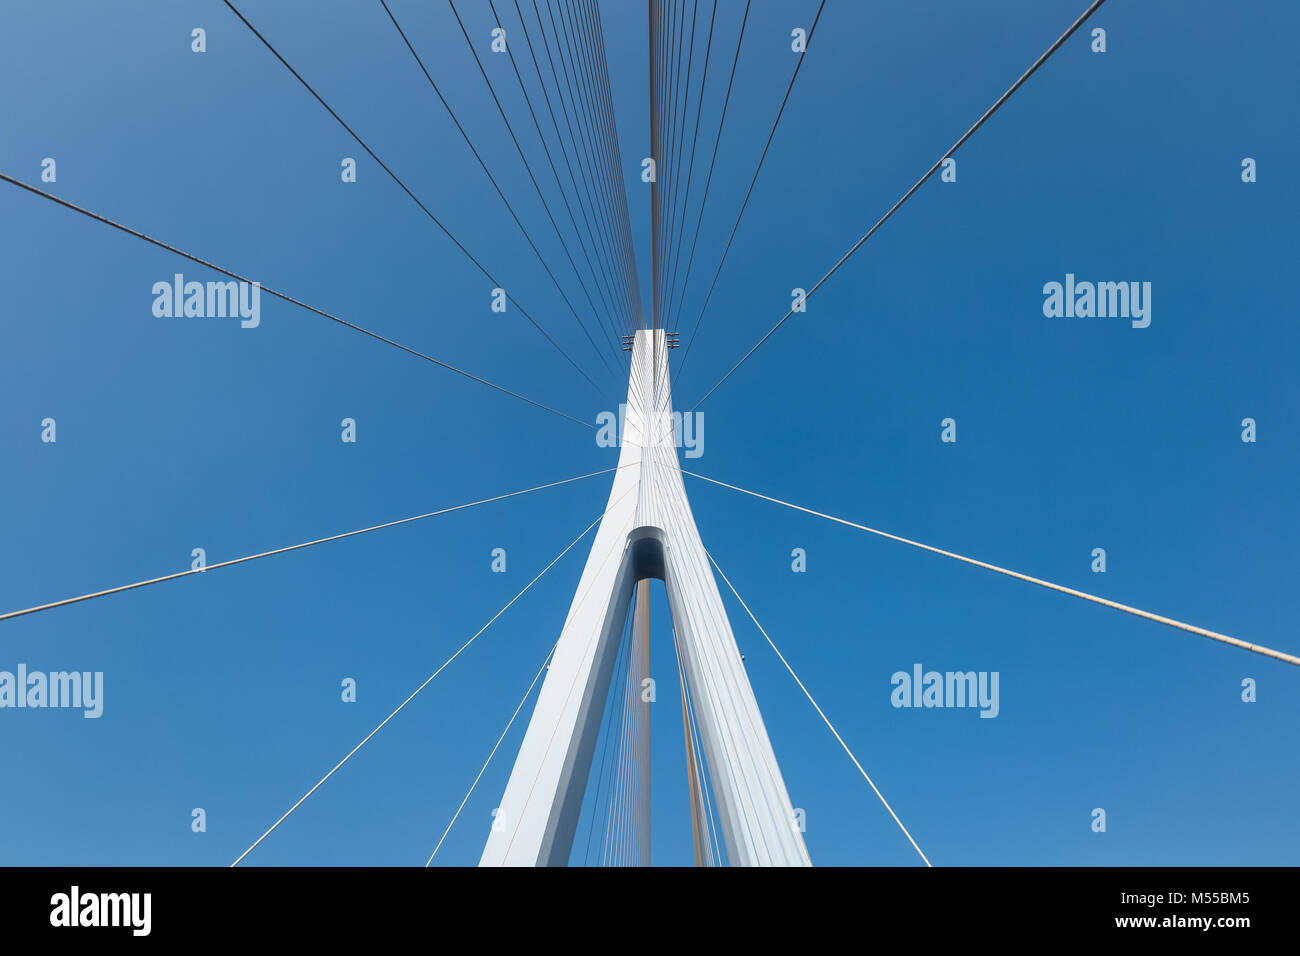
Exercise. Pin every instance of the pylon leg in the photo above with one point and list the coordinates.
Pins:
(648, 531)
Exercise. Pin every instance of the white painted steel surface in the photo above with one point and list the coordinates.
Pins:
(647, 531)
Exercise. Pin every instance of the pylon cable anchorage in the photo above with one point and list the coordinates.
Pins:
(295, 547)
(1105, 602)
(287, 298)
(653, 535)
(821, 713)
(417, 690)
(907, 195)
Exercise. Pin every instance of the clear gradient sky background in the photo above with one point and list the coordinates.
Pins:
(222, 691)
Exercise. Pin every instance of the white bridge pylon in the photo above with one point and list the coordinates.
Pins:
(648, 531)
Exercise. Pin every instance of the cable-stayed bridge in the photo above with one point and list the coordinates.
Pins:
(741, 812)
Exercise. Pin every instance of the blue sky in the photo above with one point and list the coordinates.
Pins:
(222, 691)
